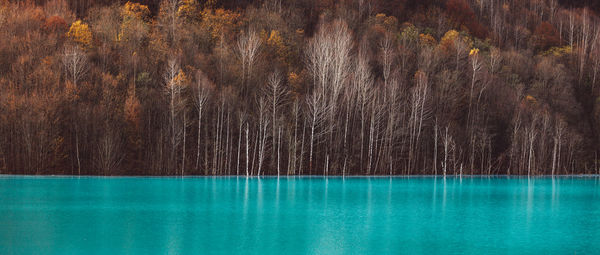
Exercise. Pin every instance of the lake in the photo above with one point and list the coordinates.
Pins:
(299, 215)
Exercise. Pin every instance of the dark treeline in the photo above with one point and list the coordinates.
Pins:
(378, 87)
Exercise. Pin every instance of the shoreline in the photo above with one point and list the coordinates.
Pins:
(305, 176)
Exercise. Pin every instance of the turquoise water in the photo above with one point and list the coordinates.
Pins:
(231, 215)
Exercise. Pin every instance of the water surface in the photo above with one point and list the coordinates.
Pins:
(235, 215)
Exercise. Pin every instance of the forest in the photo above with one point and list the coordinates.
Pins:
(299, 87)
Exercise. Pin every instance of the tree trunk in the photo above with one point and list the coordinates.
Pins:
(247, 150)
(199, 137)
(183, 146)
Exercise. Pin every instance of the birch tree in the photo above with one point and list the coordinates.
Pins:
(75, 63)
(419, 114)
(202, 91)
(109, 150)
(328, 60)
(316, 114)
(558, 136)
(276, 94)
(363, 87)
(248, 48)
(173, 79)
(263, 123)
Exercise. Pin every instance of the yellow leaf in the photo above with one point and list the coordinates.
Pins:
(474, 52)
(220, 21)
(80, 32)
(531, 99)
(189, 10)
(427, 39)
(135, 10)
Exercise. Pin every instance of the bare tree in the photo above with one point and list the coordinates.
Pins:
(476, 65)
(559, 130)
(248, 47)
(109, 150)
(340, 71)
(376, 114)
(532, 134)
(263, 123)
(449, 147)
(571, 28)
(201, 95)
(584, 43)
(419, 114)
(393, 104)
(276, 94)
(316, 114)
(293, 147)
(247, 150)
(328, 57)
(363, 87)
(475, 68)
(241, 122)
(75, 63)
(387, 57)
(173, 89)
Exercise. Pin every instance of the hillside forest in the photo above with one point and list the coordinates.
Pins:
(299, 87)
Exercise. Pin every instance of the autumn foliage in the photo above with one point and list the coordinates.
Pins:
(235, 87)
(546, 36)
(464, 17)
(80, 33)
